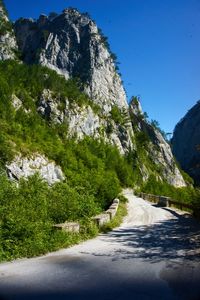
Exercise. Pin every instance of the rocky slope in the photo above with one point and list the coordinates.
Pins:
(23, 167)
(8, 45)
(186, 142)
(159, 160)
(73, 46)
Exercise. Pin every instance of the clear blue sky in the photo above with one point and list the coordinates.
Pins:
(157, 43)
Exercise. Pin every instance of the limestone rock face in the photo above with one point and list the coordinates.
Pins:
(161, 154)
(186, 142)
(84, 121)
(16, 102)
(25, 167)
(8, 45)
(71, 44)
(157, 149)
(48, 107)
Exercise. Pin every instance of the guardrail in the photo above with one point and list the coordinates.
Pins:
(163, 201)
(108, 215)
(100, 220)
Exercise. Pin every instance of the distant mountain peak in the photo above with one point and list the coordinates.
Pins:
(71, 44)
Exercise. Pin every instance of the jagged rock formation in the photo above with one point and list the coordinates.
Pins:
(23, 167)
(85, 121)
(186, 142)
(71, 44)
(158, 151)
(8, 45)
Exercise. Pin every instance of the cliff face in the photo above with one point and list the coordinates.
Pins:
(159, 160)
(8, 45)
(84, 120)
(186, 142)
(71, 44)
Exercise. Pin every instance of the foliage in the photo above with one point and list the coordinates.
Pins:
(117, 220)
(156, 125)
(5, 26)
(104, 41)
(94, 170)
(122, 198)
(27, 213)
(120, 117)
(157, 187)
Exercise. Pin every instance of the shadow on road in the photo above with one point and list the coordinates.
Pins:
(172, 244)
(175, 238)
(170, 239)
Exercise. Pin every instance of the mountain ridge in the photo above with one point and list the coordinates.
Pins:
(185, 142)
(72, 45)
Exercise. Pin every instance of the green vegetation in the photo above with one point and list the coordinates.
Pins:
(5, 26)
(117, 220)
(120, 117)
(94, 171)
(104, 41)
(28, 212)
(184, 194)
(156, 125)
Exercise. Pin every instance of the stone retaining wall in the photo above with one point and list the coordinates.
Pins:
(163, 201)
(108, 215)
(100, 219)
(68, 227)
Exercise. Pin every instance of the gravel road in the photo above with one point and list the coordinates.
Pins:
(154, 254)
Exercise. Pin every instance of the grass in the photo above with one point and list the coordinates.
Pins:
(117, 220)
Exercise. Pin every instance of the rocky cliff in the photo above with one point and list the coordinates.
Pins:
(153, 149)
(23, 167)
(8, 45)
(88, 120)
(73, 46)
(186, 142)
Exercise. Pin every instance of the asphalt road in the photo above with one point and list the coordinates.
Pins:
(154, 254)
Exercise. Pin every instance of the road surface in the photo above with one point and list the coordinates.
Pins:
(154, 254)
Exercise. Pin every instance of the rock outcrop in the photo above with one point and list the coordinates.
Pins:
(83, 121)
(8, 45)
(186, 142)
(23, 167)
(158, 150)
(71, 44)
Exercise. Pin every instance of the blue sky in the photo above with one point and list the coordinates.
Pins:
(157, 43)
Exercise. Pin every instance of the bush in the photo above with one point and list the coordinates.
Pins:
(94, 170)
(182, 194)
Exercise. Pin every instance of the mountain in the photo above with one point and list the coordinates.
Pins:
(69, 142)
(186, 142)
(8, 45)
(153, 151)
(72, 45)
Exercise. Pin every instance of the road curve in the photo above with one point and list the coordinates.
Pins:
(154, 254)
